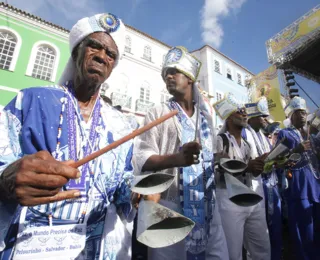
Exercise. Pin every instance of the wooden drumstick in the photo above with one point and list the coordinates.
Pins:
(124, 139)
(196, 135)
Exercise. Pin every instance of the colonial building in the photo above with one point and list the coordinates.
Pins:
(220, 74)
(136, 84)
(33, 52)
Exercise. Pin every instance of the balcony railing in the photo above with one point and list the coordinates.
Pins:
(127, 49)
(143, 105)
(119, 99)
(147, 57)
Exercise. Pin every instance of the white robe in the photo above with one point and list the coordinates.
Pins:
(166, 139)
(243, 225)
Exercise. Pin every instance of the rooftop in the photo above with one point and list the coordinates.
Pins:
(31, 16)
(52, 25)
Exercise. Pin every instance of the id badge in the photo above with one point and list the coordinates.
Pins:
(49, 242)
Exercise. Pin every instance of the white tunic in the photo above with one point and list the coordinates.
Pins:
(243, 225)
(162, 140)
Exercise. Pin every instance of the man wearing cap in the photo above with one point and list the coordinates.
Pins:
(49, 209)
(303, 192)
(242, 224)
(177, 147)
(254, 133)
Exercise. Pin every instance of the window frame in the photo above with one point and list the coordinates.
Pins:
(33, 55)
(146, 88)
(221, 96)
(16, 49)
(127, 48)
(145, 56)
(164, 96)
(231, 75)
(241, 78)
(214, 65)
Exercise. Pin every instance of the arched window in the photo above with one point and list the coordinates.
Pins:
(10, 43)
(44, 61)
(229, 73)
(120, 94)
(217, 66)
(165, 96)
(147, 53)
(127, 47)
(219, 96)
(239, 78)
(145, 92)
(43, 65)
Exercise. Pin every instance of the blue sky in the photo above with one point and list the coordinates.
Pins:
(237, 28)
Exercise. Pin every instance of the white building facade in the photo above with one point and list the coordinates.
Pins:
(220, 75)
(136, 84)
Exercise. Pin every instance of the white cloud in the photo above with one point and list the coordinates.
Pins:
(211, 14)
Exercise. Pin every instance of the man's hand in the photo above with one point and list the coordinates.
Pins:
(189, 154)
(136, 197)
(37, 179)
(256, 166)
(304, 146)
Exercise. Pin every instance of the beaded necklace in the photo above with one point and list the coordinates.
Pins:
(57, 150)
(69, 103)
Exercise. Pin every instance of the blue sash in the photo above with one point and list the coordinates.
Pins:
(197, 185)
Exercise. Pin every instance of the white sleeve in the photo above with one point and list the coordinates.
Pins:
(146, 145)
(219, 144)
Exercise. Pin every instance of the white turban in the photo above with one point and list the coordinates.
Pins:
(297, 103)
(106, 22)
(180, 59)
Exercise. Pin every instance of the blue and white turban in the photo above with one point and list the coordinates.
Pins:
(297, 103)
(180, 59)
(259, 108)
(227, 106)
(107, 23)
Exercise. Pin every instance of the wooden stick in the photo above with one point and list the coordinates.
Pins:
(196, 135)
(124, 139)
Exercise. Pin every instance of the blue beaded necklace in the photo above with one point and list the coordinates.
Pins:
(69, 103)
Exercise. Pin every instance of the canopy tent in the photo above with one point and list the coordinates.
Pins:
(297, 47)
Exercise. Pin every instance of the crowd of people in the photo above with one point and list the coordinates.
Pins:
(52, 210)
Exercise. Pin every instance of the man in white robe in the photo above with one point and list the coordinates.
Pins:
(171, 148)
(49, 209)
(259, 124)
(242, 225)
